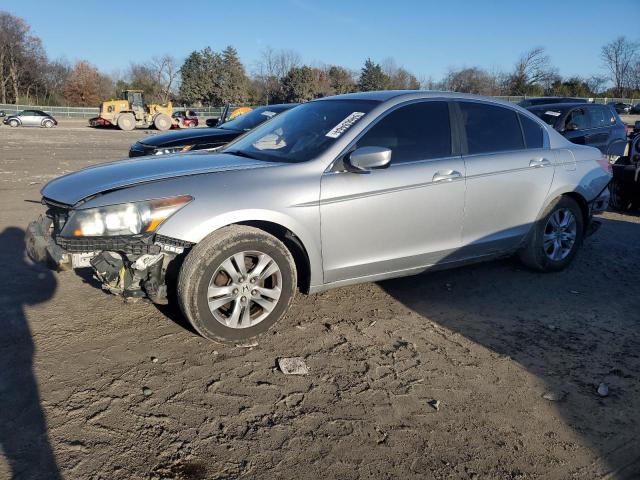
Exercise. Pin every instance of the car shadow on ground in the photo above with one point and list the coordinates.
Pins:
(24, 439)
(573, 330)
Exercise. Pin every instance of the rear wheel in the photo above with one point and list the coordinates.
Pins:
(555, 238)
(236, 283)
(162, 122)
(617, 197)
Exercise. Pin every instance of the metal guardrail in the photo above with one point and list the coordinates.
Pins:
(89, 112)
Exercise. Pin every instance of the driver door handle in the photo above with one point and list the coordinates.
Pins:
(539, 162)
(446, 175)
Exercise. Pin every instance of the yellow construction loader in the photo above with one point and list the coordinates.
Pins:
(131, 111)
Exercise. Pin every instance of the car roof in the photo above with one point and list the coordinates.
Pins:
(386, 95)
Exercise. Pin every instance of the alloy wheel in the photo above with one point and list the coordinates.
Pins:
(560, 234)
(244, 289)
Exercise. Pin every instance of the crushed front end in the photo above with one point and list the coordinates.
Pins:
(133, 266)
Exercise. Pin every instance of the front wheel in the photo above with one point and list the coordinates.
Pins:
(47, 124)
(236, 283)
(13, 123)
(555, 238)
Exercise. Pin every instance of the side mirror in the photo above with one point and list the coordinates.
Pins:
(365, 159)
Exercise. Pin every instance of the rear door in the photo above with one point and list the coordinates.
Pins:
(509, 172)
(600, 123)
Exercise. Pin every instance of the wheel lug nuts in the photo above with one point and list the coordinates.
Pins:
(254, 292)
(253, 280)
(243, 299)
(235, 291)
(241, 279)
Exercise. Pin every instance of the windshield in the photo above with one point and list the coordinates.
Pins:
(548, 115)
(303, 132)
(250, 120)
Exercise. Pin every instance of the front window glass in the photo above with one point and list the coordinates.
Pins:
(597, 117)
(419, 131)
(490, 128)
(302, 133)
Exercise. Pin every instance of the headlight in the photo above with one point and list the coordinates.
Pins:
(165, 151)
(123, 219)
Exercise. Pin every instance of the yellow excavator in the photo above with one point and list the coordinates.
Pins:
(131, 111)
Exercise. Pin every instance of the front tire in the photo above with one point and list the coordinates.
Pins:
(47, 124)
(236, 283)
(126, 121)
(162, 122)
(555, 238)
(14, 123)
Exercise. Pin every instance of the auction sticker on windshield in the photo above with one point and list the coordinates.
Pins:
(552, 113)
(344, 125)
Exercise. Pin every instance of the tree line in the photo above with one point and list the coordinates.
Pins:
(210, 77)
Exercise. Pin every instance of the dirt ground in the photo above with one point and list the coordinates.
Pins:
(487, 342)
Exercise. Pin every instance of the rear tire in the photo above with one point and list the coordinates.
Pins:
(126, 121)
(260, 268)
(617, 198)
(552, 244)
(162, 122)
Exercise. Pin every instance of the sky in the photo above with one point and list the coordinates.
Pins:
(426, 37)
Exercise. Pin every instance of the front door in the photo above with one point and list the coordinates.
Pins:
(402, 217)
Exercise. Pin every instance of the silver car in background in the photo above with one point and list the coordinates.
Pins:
(342, 190)
(30, 118)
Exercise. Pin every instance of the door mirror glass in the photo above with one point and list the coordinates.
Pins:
(364, 159)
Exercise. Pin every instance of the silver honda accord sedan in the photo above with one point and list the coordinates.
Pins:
(337, 191)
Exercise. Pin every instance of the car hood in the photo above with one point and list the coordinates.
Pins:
(70, 189)
(184, 137)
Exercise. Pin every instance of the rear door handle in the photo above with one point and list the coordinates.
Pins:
(539, 162)
(446, 175)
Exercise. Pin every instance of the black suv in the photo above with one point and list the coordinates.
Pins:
(585, 123)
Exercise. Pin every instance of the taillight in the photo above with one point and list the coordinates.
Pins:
(605, 165)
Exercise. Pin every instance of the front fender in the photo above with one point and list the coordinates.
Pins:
(182, 227)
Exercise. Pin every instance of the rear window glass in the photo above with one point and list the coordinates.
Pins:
(598, 116)
(533, 136)
(490, 128)
(420, 131)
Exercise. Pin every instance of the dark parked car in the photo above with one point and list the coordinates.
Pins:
(636, 108)
(530, 102)
(30, 118)
(586, 124)
(620, 107)
(205, 138)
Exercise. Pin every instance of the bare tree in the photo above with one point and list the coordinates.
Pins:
(532, 71)
(618, 57)
(166, 72)
(273, 66)
(472, 80)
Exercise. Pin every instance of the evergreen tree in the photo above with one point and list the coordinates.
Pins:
(372, 77)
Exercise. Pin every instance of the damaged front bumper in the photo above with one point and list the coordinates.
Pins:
(131, 266)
